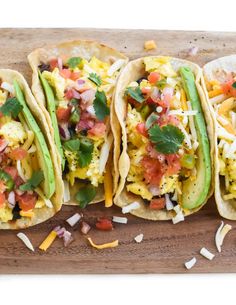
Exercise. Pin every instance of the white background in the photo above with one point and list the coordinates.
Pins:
(139, 289)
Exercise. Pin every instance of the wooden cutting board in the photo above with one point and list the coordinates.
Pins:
(165, 246)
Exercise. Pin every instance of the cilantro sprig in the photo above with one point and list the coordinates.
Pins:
(135, 93)
(100, 105)
(85, 195)
(33, 182)
(234, 85)
(167, 139)
(95, 78)
(73, 62)
(12, 107)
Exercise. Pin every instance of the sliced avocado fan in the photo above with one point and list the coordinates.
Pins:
(194, 193)
(52, 111)
(42, 149)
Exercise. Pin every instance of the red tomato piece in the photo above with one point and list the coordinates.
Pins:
(74, 75)
(98, 129)
(53, 64)
(153, 170)
(228, 89)
(66, 73)
(63, 114)
(12, 171)
(2, 186)
(18, 154)
(26, 201)
(2, 199)
(104, 224)
(157, 204)
(154, 77)
(173, 161)
(142, 129)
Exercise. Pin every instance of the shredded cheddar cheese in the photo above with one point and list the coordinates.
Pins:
(108, 183)
(112, 244)
(48, 241)
(215, 92)
(150, 45)
(29, 214)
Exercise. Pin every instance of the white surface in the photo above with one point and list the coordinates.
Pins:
(146, 289)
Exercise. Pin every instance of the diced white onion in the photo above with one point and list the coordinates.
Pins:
(132, 206)
(195, 145)
(207, 254)
(177, 209)
(104, 154)
(179, 215)
(20, 170)
(178, 95)
(175, 196)
(73, 219)
(222, 120)
(169, 204)
(88, 69)
(193, 51)
(138, 238)
(186, 136)
(66, 191)
(11, 199)
(191, 263)
(159, 109)
(48, 203)
(26, 241)
(8, 87)
(233, 118)
(85, 227)
(110, 81)
(223, 134)
(115, 67)
(90, 109)
(183, 113)
(32, 149)
(120, 219)
(220, 235)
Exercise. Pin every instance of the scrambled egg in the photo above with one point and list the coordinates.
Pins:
(168, 184)
(162, 64)
(5, 214)
(72, 159)
(80, 173)
(140, 188)
(13, 132)
(56, 81)
(3, 96)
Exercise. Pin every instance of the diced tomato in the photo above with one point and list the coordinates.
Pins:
(168, 119)
(53, 64)
(2, 199)
(26, 201)
(154, 77)
(69, 94)
(228, 89)
(173, 161)
(86, 122)
(74, 75)
(153, 153)
(150, 101)
(12, 171)
(18, 154)
(146, 90)
(18, 181)
(98, 129)
(157, 204)
(153, 170)
(104, 224)
(142, 129)
(66, 73)
(2, 186)
(63, 114)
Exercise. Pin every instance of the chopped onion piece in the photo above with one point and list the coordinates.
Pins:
(179, 216)
(66, 191)
(223, 134)
(67, 238)
(159, 109)
(207, 254)
(193, 51)
(120, 219)
(11, 199)
(115, 67)
(90, 109)
(85, 228)
(138, 238)
(220, 235)
(192, 124)
(186, 136)
(104, 154)
(169, 204)
(26, 241)
(32, 149)
(132, 206)
(112, 244)
(73, 219)
(8, 87)
(191, 263)
(20, 170)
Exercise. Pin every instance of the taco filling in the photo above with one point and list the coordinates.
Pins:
(26, 176)
(167, 142)
(79, 94)
(222, 96)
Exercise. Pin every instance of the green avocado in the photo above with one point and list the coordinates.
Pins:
(43, 152)
(196, 192)
(52, 111)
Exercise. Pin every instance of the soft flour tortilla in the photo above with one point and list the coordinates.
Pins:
(44, 213)
(218, 69)
(133, 71)
(85, 49)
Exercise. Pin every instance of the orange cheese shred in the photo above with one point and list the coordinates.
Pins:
(112, 244)
(108, 183)
(48, 241)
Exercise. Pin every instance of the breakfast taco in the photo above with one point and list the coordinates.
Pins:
(73, 84)
(27, 177)
(220, 87)
(165, 163)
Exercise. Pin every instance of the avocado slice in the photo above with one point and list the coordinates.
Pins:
(43, 152)
(52, 111)
(196, 192)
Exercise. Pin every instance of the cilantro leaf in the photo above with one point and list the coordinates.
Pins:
(100, 105)
(168, 139)
(72, 145)
(85, 195)
(11, 107)
(234, 85)
(96, 79)
(85, 153)
(73, 62)
(135, 93)
(33, 182)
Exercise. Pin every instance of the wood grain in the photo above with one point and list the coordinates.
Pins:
(165, 247)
